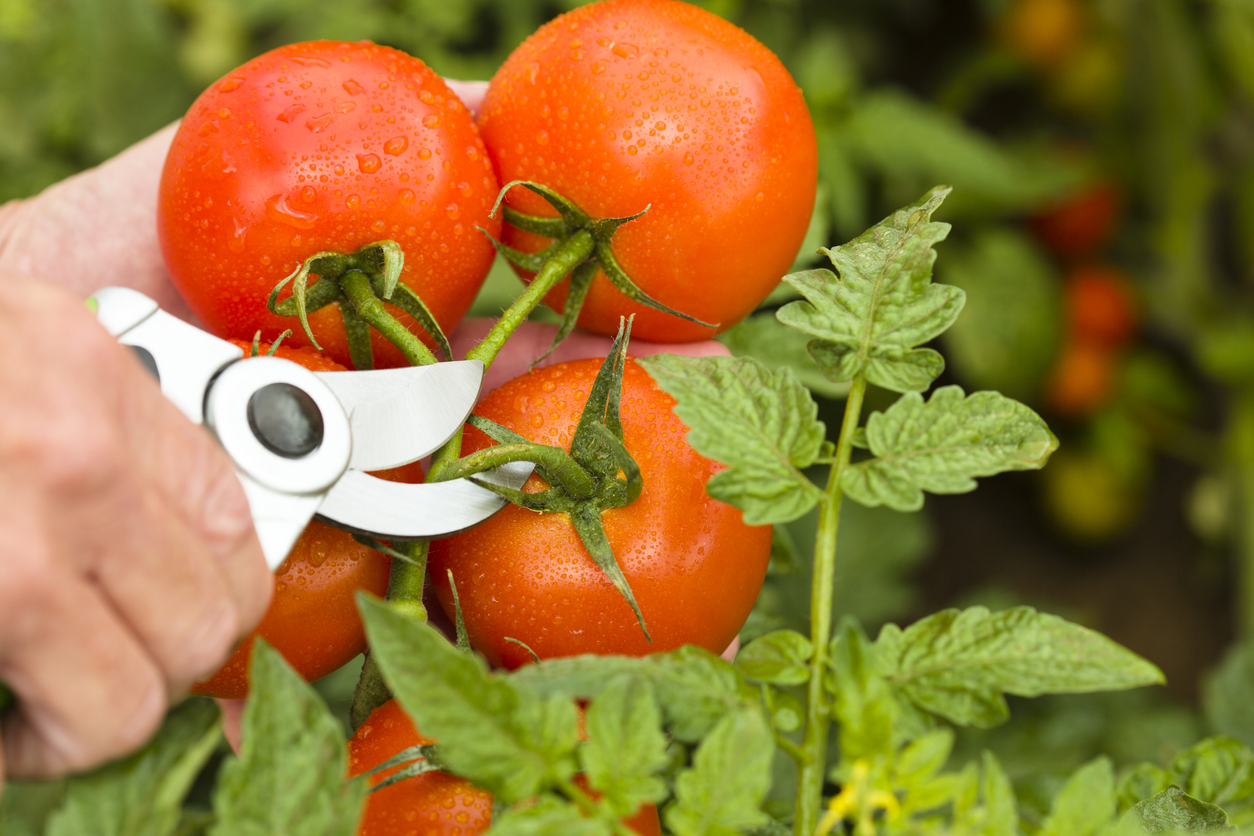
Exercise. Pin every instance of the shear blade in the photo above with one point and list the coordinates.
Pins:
(400, 415)
(368, 505)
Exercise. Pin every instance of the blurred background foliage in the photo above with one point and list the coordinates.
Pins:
(1103, 157)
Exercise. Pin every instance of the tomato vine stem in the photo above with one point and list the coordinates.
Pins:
(356, 286)
(813, 767)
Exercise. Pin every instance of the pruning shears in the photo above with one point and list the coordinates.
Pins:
(303, 442)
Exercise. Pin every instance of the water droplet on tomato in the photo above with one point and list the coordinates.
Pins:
(625, 50)
(353, 88)
(378, 226)
(207, 128)
(425, 96)
(318, 124)
(542, 138)
(598, 67)
(453, 211)
(368, 163)
(424, 153)
(230, 85)
(309, 194)
(224, 113)
(431, 121)
(310, 61)
(395, 146)
(689, 159)
(631, 150)
(339, 169)
(406, 196)
(346, 107)
(236, 242)
(352, 201)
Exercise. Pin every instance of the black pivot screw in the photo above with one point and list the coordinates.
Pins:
(286, 420)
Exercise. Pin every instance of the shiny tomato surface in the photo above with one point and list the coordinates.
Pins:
(694, 565)
(325, 146)
(633, 104)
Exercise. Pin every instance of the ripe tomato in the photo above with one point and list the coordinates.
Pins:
(633, 103)
(325, 146)
(693, 564)
(434, 803)
(1082, 222)
(1082, 380)
(1100, 305)
(1045, 32)
(313, 619)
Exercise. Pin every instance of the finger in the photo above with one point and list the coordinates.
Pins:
(470, 92)
(233, 722)
(87, 692)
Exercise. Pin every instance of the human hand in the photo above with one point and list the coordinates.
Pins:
(130, 566)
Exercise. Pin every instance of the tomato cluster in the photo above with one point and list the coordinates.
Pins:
(325, 148)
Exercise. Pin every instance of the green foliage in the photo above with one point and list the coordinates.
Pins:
(941, 445)
(764, 338)
(1228, 695)
(870, 319)
(723, 789)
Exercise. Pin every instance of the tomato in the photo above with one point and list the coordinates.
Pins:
(633, 103)
(1087, 498)
(313, 619)
(1082, 222)
(325, 146)
(1082, 380)
(1100, 305)
(694, 565)
(1045, 32)
(434, 803)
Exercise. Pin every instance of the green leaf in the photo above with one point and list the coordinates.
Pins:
(289, 778)
(1001, 809)
(869, 320)
(142, 795)
(924, 757)
(25, 808)
(863, 705)
(1173, 810)
(1085, 804)
(781, 658)
(731, 772)
(548, 817)
(1007, 336)
(1228, 694)
(943, 444)
(957, 664)
(777, 346)
(1143, 781)
(1218, 770)
(763, 425)
(694, 688)
(492, 730)
(625, 746)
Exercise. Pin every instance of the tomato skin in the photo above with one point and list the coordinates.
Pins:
(325, 146)
(434, 803)
(431, 804)
(1082, 222)
(313, 620)
(694, 565)
(632, 103)
(1100, 305)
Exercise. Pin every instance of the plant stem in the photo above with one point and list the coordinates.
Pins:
(356, 286)
(406, 580)
(566, 471)
(818, 715)
(573, 252)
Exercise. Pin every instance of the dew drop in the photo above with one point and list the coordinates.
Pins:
(230, 85)
(309, 194)
(224, 113)
(424, 153)
(339, 170)
(291, 113)
(352, 201)
(318, 124)
(277, 209)
(430, 121)
(624, 50)
(353, 88)
(405, 196)
(598, 67)
(346, 107)
(395, 146)
(368, 163)
(453, 211)
(378, 226)
(542, 138)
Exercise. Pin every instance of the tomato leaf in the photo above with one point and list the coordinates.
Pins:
(1085, 804)
(142, 795)
(548, 817)
(1174, 811)
(1218, 770)
(1228, 694)
(731, 772)
(625, 746)
(762, 424)
(943, 444)
(870, 318)
(1143, 781)
(866, 711)
(778, 346)
(289, 777)
(494, 731)
(958, 663)
(781, 658)
(694, 688)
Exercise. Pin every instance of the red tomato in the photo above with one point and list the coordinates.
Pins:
(1082, 380)
(434, 803)
(693, 564)
(1082, 222)
(325, 146)
(633, 103)
(1100, 305)
(313, 619)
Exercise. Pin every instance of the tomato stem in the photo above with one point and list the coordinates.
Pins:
(813, 768)
(356, 286)
(576, 481)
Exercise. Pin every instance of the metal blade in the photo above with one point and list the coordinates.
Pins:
(400, 415)
(395, 511)
(278, 517)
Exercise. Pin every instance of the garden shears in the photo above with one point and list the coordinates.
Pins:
(302, 442)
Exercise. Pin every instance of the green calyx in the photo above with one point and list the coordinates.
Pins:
(575, 229)
(584, 482)
(360, 283)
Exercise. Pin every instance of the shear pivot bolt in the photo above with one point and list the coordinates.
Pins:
(286, 420)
